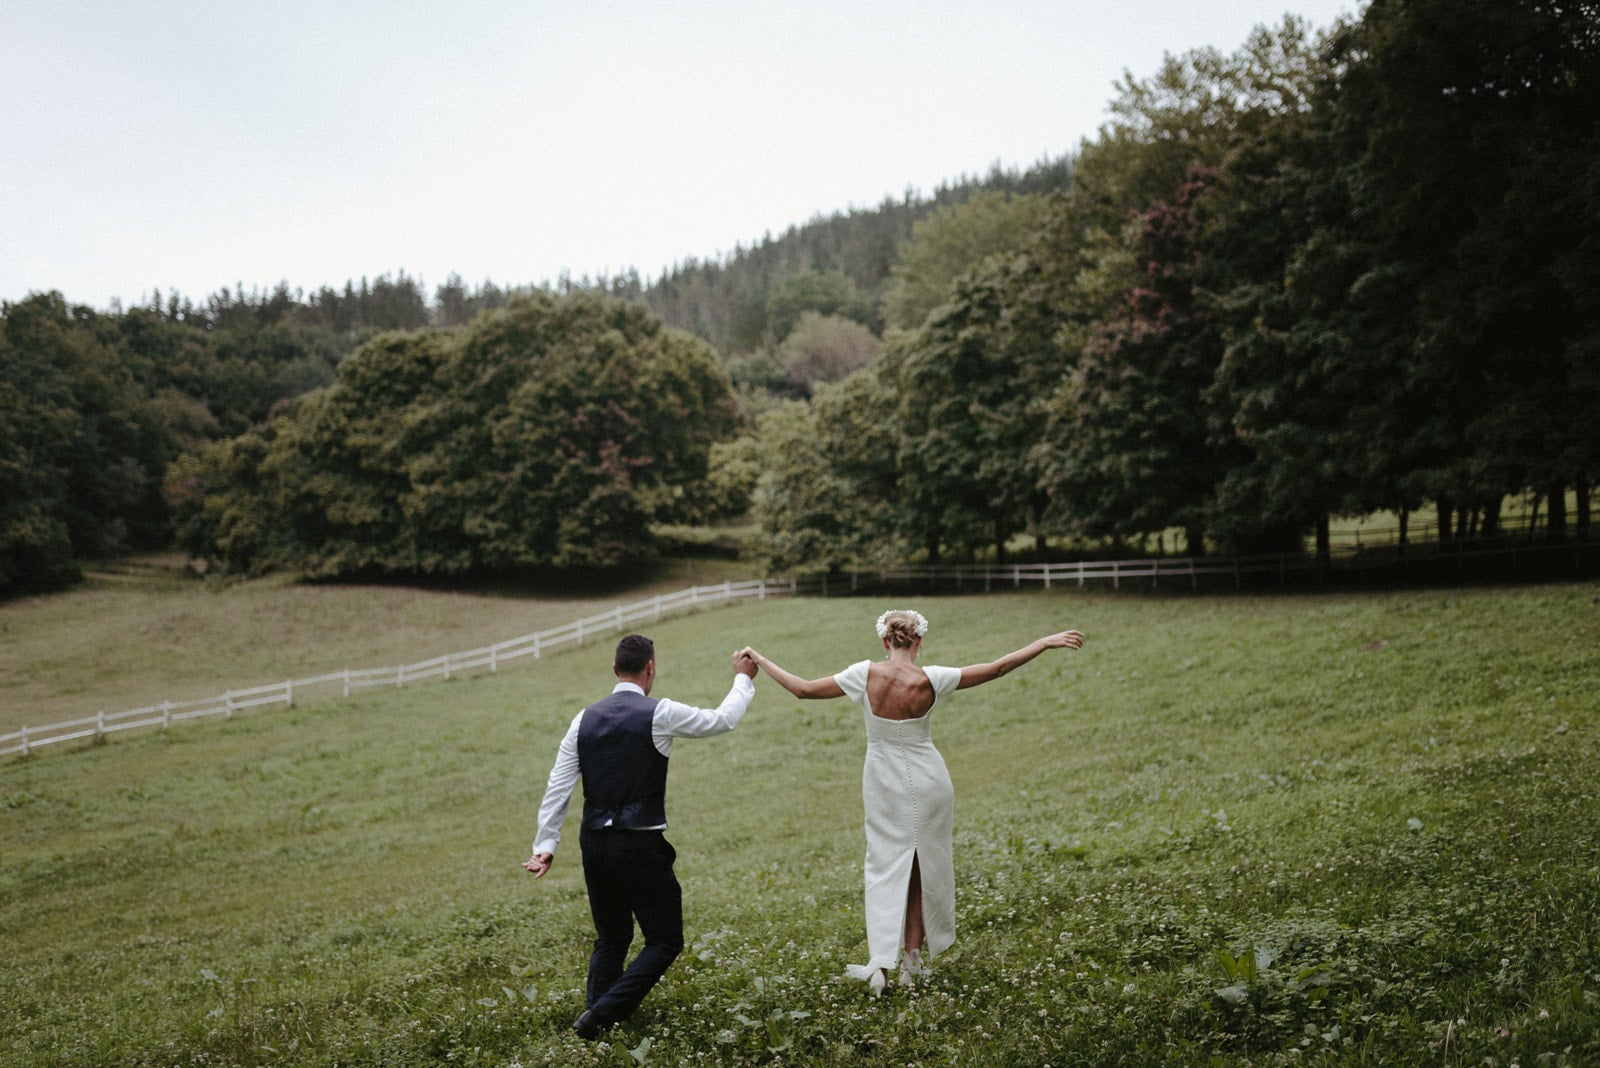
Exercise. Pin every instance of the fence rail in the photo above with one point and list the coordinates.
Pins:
(1459, 558)
(1487, 559)
(351, 680)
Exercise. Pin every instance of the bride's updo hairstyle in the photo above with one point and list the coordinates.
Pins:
(902, 628)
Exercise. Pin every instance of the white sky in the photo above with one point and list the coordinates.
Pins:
(193, 145)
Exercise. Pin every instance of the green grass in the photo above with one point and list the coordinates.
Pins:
(1231, 830)
(138, 632)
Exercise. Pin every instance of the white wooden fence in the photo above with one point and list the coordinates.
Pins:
(349, 681)
(1079, 573)
(1491, 560)
(1160, 572)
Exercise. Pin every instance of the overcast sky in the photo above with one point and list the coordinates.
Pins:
(199, 145)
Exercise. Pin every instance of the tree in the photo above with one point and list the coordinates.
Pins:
(1398, 323)
(1137, 457)
(823, 349)
(953, 241)
(551, 433)
(81, 446)
(1305, 376)
(824, 293)
(1521, 83)
(972, 386)
(733, 471)
(35, 546)
(826, 499)
(1196, 110)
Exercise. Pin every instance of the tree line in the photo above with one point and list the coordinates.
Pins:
(552, 433)
(1325, 274)
(170, 421)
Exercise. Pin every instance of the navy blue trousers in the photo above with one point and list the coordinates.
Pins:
(629, 876)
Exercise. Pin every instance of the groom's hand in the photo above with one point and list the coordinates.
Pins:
(744, 663)
(539, 863)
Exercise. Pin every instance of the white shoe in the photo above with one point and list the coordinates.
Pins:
(879, 980)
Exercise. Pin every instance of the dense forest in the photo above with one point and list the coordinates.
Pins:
(1318, 276)
(1324, 274)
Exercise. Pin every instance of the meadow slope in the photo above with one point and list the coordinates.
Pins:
(1231, 830)
(139, 631)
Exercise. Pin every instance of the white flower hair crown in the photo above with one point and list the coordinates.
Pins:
(920, 624)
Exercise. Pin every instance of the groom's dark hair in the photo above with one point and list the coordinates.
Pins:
(633, 653)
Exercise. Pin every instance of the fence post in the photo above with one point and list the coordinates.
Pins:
(1116, 574)
(658, 608)
(761, 594)
(288, 693)
(166, 714)
(228, 697)
(1048, 569)
(580, 632)
(494, 657)
(400, 677)
(99, 726)
(24, 741)
(537, 647)
(447, 667)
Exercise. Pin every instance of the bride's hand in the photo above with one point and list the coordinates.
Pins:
(1067, 639)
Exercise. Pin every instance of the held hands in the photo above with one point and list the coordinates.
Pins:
(744, 662)
(539, 863)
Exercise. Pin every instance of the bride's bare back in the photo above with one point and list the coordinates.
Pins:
(898, 690)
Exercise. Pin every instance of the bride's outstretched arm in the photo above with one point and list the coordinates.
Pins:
(803, 688)
(977, 674)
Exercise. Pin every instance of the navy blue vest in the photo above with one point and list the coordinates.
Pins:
(624, 774)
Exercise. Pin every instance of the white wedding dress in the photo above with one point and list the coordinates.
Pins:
(910, 808)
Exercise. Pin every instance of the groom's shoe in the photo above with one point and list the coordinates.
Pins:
(588, 1026)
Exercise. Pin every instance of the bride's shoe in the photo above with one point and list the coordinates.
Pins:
(879, 980)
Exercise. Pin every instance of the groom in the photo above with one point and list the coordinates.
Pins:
(619, 747)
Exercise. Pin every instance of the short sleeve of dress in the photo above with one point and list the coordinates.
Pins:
(944, 679)
(853, 680)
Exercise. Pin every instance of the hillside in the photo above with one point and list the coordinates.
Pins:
(1238, 830)
(723, 299)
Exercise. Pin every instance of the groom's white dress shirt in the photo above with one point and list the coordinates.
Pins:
(672, 719)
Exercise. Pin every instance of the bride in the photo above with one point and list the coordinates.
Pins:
(905, 789)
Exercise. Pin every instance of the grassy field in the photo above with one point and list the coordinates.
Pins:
(140, 631)
(1230, 831)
